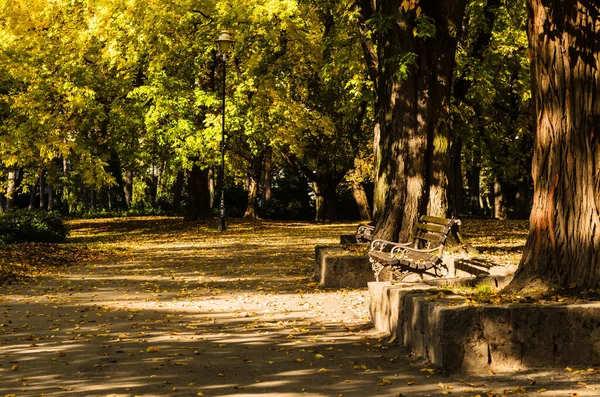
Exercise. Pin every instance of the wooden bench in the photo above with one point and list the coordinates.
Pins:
(422, 255)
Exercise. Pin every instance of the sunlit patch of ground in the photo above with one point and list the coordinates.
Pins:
(499, 241)
(165, 307)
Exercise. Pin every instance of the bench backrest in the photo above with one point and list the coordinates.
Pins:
(432, 232)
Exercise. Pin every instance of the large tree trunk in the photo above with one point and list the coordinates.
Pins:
(198, 197)
(563, 248)
(412, 153)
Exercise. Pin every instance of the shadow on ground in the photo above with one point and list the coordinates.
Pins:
(177, 309)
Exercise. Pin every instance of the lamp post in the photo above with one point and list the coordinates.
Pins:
(224, 43)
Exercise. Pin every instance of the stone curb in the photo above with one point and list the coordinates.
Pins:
(459, 337)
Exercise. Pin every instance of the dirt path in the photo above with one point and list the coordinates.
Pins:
(177, 310)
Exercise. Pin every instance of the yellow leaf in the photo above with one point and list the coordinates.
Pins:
(412, 382)
(200, 394)
(319, 356)
(14, 367)
(152, 349)
(543, 389)
(324, 370)
(384, 382)
(298, 360)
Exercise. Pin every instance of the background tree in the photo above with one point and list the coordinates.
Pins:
(416, 46)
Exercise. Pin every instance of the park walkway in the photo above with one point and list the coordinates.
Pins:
(173, 309)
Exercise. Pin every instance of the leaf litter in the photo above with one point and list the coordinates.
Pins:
(161, 306)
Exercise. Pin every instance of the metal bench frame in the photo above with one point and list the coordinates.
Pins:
(423, 255)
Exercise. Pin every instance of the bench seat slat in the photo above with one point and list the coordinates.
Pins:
(432, 228)
(437, 220)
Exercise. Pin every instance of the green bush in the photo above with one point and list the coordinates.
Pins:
(31, 226)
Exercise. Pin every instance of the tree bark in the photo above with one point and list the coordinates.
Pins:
(455, 184)
(360, 196)
(128, 186)
(413, 90)
(254, 173)
(268, 181)
(50, 197)
(42, 187)
(563, 247)
(178, 189)
(32, 194)
(325, 200)
(500, 208)
(11, 190)
(521, 199)
(211, 186)
(117, 192)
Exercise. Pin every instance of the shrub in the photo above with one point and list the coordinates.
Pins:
(31, 226)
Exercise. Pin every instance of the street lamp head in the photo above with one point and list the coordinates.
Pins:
(224, 42)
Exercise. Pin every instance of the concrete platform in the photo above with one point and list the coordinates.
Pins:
(336, 267)
(459, 337)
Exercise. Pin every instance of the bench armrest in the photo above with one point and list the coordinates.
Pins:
(429, 250)
(381, 245)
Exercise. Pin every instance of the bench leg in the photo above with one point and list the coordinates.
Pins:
(377, 268)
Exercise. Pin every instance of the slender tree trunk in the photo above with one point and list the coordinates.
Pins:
(412, 154)
(50, 197)
(42, 187)
(360, 196)
(211, 186)
(563, 248)
(117, 192)
(32, 194)
(474, 180)
(11, 190)
(325, 201)
(178, 190)
(152, 185)
(521, 199)
(268, 181)
(92, 198)
(252, 197)
(500, 207)
(254, 174)
(455, 189)
(198, 195)
(128, 184)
